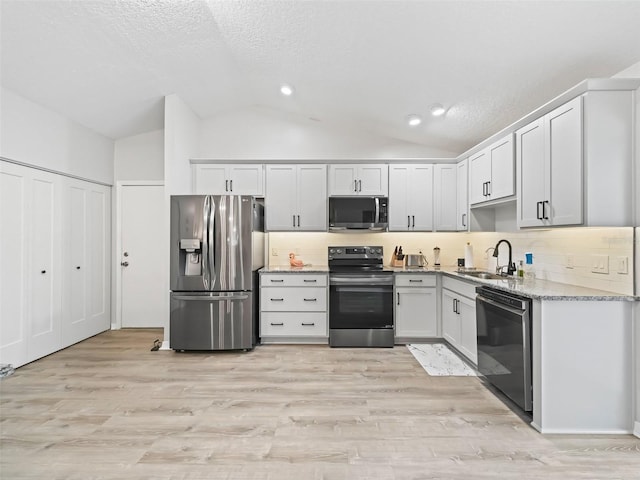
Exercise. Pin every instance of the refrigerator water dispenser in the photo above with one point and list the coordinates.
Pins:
(190, 250)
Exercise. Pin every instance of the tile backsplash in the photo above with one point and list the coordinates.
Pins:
(564, 255)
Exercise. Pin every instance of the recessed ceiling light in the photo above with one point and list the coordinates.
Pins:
(437, 110)
(286, 90)
(414, 120)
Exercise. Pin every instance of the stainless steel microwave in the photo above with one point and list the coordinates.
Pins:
(358, 213)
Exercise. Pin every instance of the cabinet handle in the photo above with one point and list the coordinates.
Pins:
(298, 221)
(43, 272)
(310, 299)
(78, 267)
(538, 214)
(308, 324)
(294, 220)
(231, 185)
(310, 281)
(355, 185)
(277, 299)
(413, 221)
(484, 189)
(359, 185)
(464, 219)
(488, 189)
(408, 221)
(277, 281)
(544, 210)
(415, 281)
(277, 324)
(398, 299)
(455, 305)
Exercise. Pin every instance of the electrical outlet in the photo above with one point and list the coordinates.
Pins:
(622, 265)
(570, 262)
(600, 264)
(274, 252)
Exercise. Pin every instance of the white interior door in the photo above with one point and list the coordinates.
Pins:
(143, 262)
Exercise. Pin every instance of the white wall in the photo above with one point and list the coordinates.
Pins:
(265, 134)
(35, 135)
(181, 136)
(140, 157)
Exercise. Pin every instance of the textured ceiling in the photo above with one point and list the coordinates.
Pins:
(362, 65)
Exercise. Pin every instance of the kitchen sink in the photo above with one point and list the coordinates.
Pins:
(485, 275)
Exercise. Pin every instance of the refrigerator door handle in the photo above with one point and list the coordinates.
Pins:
(211, 298)
(211, 264)
(205, 241)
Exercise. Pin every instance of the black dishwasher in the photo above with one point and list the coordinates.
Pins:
(504, 343)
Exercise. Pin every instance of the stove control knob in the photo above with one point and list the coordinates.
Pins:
(378, 250)
(338, 251)
(332, 251)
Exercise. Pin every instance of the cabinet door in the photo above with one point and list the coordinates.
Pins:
(450, 319)
(468, 342)
(373, 180)
(531, 173)
(14, 250)
(399, 197)
(565, 164)
(312, 197)
(44, 266)
(502, 166)
(462, 196)
(445, 197)
(479, 175)
(245, 180)
(420, 197)
(343, 180)
(415, 312)
(210, 179)
(280, 200)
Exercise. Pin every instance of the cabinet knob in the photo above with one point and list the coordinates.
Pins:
(78, 267)
(43, 271)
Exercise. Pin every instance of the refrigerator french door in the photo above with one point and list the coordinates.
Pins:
(216, 250)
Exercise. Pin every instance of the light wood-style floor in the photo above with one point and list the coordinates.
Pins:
(110, 408)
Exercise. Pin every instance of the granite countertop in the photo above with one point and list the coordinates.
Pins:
(289, 269)
(537, 289)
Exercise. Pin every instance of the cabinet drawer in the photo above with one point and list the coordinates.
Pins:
(286, 299)
(414, 280)
(293, 324)
(462, 288)
(293, 280)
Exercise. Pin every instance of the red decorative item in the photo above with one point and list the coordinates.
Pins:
(293, 261)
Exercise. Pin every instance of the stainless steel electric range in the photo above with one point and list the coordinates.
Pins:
(360, 298)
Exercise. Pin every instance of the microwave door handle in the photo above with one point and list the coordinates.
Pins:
(377, 203)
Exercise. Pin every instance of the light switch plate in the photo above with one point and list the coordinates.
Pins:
(274, 252)
(600, 264)
(622, 265)
(570, 261)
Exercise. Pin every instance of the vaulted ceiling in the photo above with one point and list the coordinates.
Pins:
(362, 65)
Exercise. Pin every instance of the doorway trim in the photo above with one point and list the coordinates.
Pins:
(116, 323)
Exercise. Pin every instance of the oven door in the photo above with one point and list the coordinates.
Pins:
(361, 301)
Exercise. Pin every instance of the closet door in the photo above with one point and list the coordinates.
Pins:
(13, 264)
(44, 268)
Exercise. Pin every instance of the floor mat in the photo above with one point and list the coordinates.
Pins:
(438, 360)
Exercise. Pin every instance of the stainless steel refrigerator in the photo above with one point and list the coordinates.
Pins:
(217, 247)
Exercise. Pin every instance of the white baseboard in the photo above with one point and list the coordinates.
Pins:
(636, 429)
(165, 345)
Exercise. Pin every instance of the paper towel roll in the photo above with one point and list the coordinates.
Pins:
(468, 256)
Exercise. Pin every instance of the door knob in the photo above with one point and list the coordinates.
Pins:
(124, 264)
(126, 254)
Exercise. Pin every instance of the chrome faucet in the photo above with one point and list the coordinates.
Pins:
(511, 267)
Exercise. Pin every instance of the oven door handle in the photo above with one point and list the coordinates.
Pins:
(515, 311)
(365, 282)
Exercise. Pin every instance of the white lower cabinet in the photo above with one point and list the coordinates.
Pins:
(293, 308)
(415, 315)
(459, 317)
(55, 255)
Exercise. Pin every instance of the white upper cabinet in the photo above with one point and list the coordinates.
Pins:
(446, 199)
(296, 198)
(349, 180)
(462, 196)
(492, 172)
(575, 163)
(411, 197)
(220, 179)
